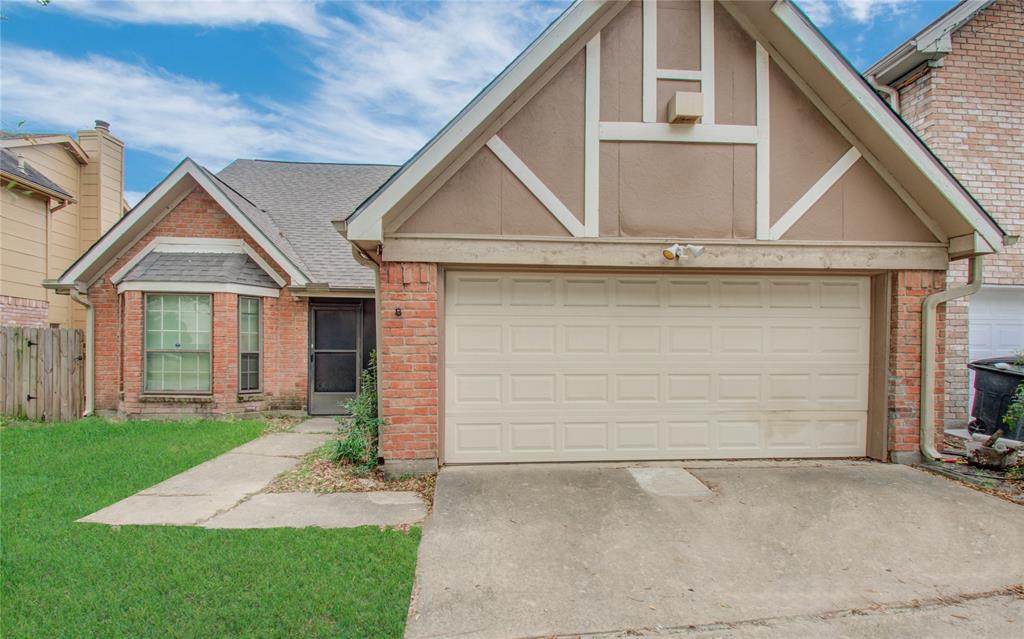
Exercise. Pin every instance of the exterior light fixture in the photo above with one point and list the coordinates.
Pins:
(677, 252)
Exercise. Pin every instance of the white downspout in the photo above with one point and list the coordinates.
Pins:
(931, 302)
(90, 350)
(894, 94)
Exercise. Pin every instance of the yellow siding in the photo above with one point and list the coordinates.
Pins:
(22, 244)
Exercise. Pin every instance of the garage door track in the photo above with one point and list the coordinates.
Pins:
(774, 549)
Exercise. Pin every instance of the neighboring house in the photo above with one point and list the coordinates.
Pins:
(220, 294)
(529, 312)
(59, 195)
(960, 86)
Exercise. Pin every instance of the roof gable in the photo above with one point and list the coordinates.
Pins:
(160, 201)
(878, 137)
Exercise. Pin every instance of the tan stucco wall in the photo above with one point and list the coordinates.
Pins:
(668, 189)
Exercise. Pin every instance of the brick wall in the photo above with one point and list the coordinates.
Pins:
(119, 333)
(408, 360)
(969, 112)
(21, 311)
(909, 288)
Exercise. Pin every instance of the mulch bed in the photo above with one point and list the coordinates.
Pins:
(318, 473)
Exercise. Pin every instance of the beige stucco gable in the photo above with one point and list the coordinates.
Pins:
(659, 180)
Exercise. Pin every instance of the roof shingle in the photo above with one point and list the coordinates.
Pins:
(294, 204)
(227, 268)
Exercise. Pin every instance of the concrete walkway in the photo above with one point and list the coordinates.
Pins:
(227, 492)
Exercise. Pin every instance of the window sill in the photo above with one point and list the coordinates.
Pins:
(177, 399)
(251, 396)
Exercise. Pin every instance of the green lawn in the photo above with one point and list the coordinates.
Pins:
(64, 579)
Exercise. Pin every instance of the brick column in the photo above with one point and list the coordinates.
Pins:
(132, 314)
(909, 288)
(408, 367)
(224, 355)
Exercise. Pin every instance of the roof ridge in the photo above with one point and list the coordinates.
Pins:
(353, 164)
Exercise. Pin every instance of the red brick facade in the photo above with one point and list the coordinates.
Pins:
(969, 112)
(409, 360)
(21, 311)
(909, 288)
(119, 333)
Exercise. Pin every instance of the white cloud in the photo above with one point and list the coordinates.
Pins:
(823, 12)
(150, 109)
(301, 15)
(819, 11)
(385, 79)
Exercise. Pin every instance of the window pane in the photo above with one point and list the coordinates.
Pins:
(249, 372)
(178, 321)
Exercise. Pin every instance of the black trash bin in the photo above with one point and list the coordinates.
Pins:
(995, 381)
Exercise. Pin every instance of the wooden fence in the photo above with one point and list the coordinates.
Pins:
(43, 372)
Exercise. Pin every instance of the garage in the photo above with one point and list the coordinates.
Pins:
(578, 366)
(996, 324)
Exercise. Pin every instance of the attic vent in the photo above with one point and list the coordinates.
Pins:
(685, 107)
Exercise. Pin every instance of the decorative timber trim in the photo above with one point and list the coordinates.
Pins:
(813, 194)
(764, 178)
(650, 61)
(592, 139)
(664, 132)
(536, 186)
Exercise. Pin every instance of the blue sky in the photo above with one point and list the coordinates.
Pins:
(299, 79)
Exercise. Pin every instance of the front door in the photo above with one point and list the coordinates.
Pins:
(335, 355)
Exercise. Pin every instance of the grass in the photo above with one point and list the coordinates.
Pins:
(65, 579)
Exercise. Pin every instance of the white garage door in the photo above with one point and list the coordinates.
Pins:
(996, 324)
(569, 367)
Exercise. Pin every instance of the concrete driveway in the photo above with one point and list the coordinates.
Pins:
(777, 549)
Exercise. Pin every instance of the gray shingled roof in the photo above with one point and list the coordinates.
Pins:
(9, 165)
(229, 268)
(293, 203)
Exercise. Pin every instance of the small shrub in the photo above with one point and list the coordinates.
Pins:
(1015, 411)
(359, 447)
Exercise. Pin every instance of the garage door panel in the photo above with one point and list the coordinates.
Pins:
(578, 367)
(540, 339)
(790, 387)
(742, 435)
(840, 297)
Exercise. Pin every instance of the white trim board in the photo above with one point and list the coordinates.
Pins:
(126, 225)
(680, 74)
(197, 287)
(813, 194)
(762, 72)
(650, 61)
(592, 139)
(707, 59)
(536, 186)
(664, 132)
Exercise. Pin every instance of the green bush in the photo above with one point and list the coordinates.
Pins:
(1016, 409)
(359, 447)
